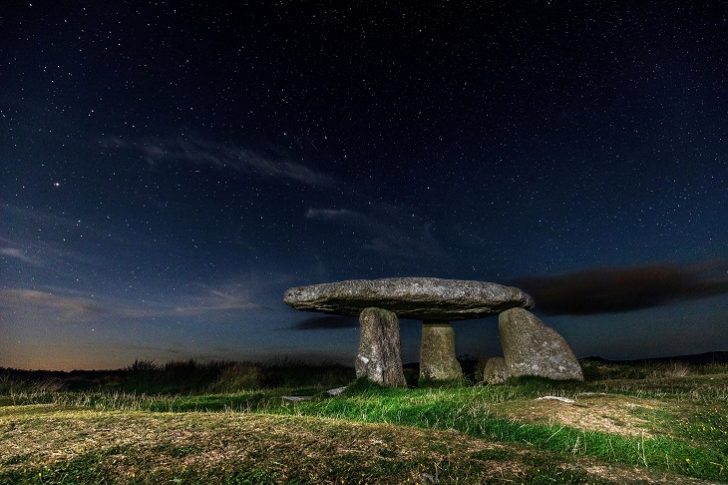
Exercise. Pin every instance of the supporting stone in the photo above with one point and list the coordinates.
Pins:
(438, 361)
(530, 348)
(495, 371)
(379, 357)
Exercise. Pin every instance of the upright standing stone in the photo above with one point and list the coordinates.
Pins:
(379, 357)
(435, 301)
(438, 361)
(530, 348)
(495, 371)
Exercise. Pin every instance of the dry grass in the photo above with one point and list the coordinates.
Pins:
(610, 413)
(654, 428)
(314, 449)
(613, 474)
(147, 447)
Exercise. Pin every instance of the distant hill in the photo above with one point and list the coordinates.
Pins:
(717, 357)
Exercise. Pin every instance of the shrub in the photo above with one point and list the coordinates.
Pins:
(238, 376)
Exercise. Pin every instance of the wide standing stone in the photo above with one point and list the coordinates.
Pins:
(379, 357)
(530, 348)
(495, 371)
(418, 298)
(438, 361)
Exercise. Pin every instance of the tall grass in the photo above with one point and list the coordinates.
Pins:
(605, 370)
(185, 377)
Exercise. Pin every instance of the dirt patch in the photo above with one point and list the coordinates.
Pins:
(623, 475)
(609, 413)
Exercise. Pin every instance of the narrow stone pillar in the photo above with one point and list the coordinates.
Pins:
(438, 361)
(379, 357)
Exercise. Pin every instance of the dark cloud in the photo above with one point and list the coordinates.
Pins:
(329, 322)
(615, 290)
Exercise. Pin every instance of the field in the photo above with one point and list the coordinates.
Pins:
(230, 423)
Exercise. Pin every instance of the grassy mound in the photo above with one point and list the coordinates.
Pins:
(635, 423)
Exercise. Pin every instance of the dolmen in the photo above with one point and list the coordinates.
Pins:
(529, 347)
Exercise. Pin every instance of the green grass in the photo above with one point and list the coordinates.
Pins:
(634, 423)
(697, 449)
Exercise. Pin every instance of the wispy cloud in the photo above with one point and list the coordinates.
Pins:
(224, 157)
(217, 301)
(385, 235)
(56, 239)
(42, 253)
(614, 290)
(63, 305)
(39, 218)
(18, 254)
(335, 215)
(25, 224)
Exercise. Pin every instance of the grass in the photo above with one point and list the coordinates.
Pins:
(141, 447)
(691, 449)
(185, 377)
(636, 423)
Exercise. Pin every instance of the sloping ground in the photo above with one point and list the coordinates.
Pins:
(49, 444)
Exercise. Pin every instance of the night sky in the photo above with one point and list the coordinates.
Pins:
(167, 171)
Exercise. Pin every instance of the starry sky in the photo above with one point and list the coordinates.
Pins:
(168, 170)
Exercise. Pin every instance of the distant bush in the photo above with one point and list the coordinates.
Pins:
(142, 366)
(596, 369)
(181, 377)
(289, 373)
(238, 376)
(672, 369)
(193, 377)
(11, 383)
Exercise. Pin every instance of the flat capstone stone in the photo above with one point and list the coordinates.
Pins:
(432, 299)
